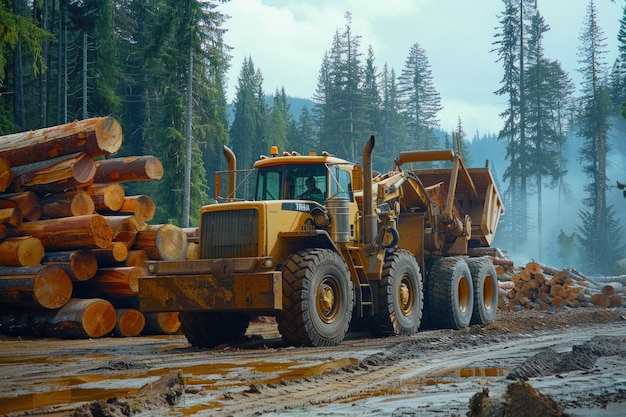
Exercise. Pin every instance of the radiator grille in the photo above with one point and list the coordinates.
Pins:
(230, 234)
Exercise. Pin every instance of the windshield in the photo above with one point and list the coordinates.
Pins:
(291, 182)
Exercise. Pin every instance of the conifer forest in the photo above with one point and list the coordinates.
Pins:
(159, 68)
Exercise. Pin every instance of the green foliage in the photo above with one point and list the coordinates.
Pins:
(14, 28)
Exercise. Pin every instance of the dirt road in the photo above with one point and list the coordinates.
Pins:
(432, 374)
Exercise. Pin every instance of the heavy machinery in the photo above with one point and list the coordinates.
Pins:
(378, 249)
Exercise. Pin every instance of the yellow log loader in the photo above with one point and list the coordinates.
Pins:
(320, 242)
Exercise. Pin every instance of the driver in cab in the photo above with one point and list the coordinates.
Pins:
(312, 192)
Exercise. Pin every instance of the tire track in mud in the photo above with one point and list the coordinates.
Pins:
(397, 366)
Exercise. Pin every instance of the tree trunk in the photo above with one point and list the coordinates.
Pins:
(106, 196)
(161, 323)
(38, 286)
(166, 242)
(28, 203)
(21, 251)
(130, 322)
(130, 168)
(54, 175)
(125, 228)
(69, 232)
(98, 137)
(112, 282)
(117, 252)
(78, 319)
(11, 216)
(80, 265)
(78, 203)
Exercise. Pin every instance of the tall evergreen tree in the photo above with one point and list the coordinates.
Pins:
(392, 128)
(599, 232)
(419, 100)
(250, 112)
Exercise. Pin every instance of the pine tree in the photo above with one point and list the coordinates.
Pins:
(250, 112)
(392, 128)
(419, 100)
(599, 233)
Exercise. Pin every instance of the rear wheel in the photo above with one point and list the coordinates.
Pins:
(210, 329)
(450, 294)
(485, 280)
(400, 296)
(317, 298)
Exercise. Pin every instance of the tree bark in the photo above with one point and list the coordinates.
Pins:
(106, 196)
(78, 319)
(80, 265)
(98, 137)
(68, 232)
(11, 216)
(78, 203)
(161, 323)
(6, 175)
(162, 242)
(21, 251)
(112, 283)
(111, 256)
(28, 203)
(127, 169)
(54, 175)
(38, 286)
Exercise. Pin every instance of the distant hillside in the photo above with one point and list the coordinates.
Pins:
(295, 106)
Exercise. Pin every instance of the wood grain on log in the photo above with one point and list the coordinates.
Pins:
(68, 232)
(125, 228)
(106, 197)
(130, 322)
(161, 323)
(82, 318)
(136, 257)
(21, 251)
(112, 282)
(78, 203)
(80, 265)
(54, 175)
(37, 286)
(127, 169)
(97, 137)
(111, 256)
(165, 241)
(27, 201)
(11, 216)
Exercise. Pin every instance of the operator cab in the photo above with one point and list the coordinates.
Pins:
(312, 182)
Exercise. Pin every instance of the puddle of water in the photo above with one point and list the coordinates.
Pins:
(207, 376)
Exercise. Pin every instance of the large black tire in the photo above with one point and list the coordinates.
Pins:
(485, 280)
(450, 294)
(400, 296)
(207, 330)
(317, 298)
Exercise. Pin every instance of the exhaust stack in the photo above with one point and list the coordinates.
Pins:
(370, 219)
(231, 166)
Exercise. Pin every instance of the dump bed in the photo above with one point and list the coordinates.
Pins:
(476, 194)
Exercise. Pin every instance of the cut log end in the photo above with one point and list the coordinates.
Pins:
(21, 251)
(52, 287)
(130, 322)
(109, 134)
(95, 317)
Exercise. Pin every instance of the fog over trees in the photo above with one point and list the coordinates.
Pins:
(159, 67)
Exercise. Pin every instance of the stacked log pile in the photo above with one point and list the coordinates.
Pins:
(72, 243)
(543, 287)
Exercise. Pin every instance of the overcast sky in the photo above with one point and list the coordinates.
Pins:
(287, 39)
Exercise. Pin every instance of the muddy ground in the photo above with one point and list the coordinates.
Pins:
(576, 357)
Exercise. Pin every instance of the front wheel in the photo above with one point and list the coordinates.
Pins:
(485, 281)
(450, 294)
(317, 298)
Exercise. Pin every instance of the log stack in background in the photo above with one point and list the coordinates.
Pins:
(543, 287)
(72, 243)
